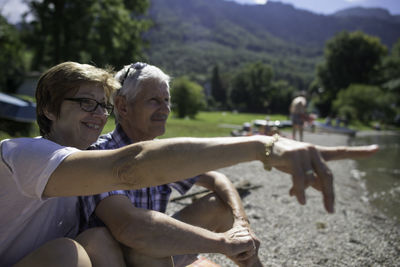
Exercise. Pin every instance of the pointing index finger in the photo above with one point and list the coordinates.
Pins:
(347, 152)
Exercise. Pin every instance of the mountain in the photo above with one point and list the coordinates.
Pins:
(378, 13)
(191, 36)
(361, 12)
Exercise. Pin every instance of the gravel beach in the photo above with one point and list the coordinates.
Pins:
(294, 235)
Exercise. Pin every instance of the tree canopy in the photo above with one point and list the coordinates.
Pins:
(364, 103)
(218, 89)
(11, 59)
(250, 87)
(187, 97)
(349, 58)
(392, 68)
(98, 31)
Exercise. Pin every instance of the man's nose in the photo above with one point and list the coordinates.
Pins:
(166, 107)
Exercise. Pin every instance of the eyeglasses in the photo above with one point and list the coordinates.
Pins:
(90, 105)
(135, 66)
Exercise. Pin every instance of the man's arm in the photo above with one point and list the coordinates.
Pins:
(226, 191)
(158, 235)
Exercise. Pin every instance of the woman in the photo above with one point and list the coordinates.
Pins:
(72, 108)
(40, 176)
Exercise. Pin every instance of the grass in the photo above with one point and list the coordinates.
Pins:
(206, 124)
(211, 124)
(4, 135)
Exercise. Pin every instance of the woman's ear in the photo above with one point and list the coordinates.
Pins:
(49, 115)
(120, 105)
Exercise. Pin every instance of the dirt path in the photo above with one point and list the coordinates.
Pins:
(295, 235)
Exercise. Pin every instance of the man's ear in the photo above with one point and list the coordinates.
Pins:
(120, 104)
(49, 115)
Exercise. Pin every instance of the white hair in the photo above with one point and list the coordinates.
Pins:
(132, 76)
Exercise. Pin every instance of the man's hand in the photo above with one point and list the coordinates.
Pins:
(241, 245)
(252, 260)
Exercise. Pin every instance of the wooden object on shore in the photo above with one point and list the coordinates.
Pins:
(243, 188)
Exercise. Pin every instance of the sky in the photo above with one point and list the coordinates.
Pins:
(331, 6)
(13, 9)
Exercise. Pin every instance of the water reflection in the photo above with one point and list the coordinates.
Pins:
(381, 172)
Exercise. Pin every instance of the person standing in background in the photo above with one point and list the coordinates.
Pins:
(298, 115)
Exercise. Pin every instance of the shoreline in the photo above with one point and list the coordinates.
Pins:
(372, 132)
(293, 235)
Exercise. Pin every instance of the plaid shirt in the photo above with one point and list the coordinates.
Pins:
(154, 198)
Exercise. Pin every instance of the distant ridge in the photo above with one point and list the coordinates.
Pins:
(191, 36)
(379, 13)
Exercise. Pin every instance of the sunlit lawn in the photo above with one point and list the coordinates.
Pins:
(206, 124)
(210, 124)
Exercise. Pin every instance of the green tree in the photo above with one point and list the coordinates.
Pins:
(364, 103)
(98, 31)
(187, 97)
(280, 96)
(11, 57)
(392, 73)
(349, 58)
(218, 90)
(251, 87)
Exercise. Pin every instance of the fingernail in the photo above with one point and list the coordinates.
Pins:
(302, 199)
(330, 208)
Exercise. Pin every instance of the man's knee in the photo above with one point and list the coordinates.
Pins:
(57, 252)
(218, 206)
(221, 211)
(208, 212)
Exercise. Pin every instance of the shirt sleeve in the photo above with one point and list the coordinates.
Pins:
(88, 205)
(31, 162)
(183, 186)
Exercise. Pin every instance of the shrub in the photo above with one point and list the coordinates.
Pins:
(364, 103)
(187, 97)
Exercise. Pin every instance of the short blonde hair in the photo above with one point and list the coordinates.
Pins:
(65, 79)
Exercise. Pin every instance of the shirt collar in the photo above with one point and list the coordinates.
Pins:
(120, 136)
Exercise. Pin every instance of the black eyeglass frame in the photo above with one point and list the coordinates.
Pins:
(136, 66)
(107, 107)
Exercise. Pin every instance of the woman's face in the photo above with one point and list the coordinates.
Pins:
(76, 127)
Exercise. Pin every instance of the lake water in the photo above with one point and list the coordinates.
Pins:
(381, 173)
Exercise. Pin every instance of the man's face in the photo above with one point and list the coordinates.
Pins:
(75, 127)
(147, 114)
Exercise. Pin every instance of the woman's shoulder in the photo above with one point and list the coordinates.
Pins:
(26, 141)
(33, 145)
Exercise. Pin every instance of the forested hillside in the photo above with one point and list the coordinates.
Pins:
(192, 36)
(250, 58)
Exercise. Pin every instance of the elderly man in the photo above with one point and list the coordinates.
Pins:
(135, 217)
